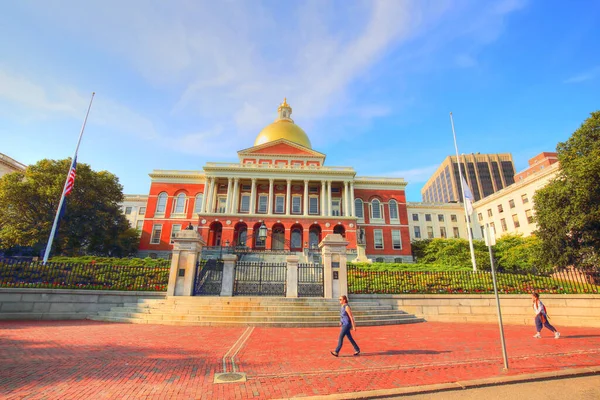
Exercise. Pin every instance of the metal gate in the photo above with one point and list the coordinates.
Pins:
(209, 275)
(260, 279)
(310, 280)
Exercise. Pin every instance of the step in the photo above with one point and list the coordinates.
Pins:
(257, 311)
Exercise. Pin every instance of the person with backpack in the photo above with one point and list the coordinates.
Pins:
(541, 317)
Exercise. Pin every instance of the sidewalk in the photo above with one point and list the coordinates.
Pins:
(95, 360)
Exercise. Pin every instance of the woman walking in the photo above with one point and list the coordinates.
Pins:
(347, 323)
(541, 318)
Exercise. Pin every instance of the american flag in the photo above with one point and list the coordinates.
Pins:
(71, 178)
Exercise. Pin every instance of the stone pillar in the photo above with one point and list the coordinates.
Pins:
(335, 272)
(270, 206)
(205, 195)
(236, 195)
(346, 200)
(305, 199)
(292, 276)
(211, 194)
(188, 244)
(228, 274)
(253, 197)
(288, 197)
(352, 210)
(328, 199)
(323, 212)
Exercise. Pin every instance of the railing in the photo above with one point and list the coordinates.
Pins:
(430, 282)
(310, 280)
(209, 278)
(82, 276)
(260, 279)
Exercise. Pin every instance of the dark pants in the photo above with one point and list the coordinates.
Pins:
(539, 324)
(346, 332)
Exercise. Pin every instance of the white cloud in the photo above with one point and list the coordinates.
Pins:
(585, 76)
(416, 175)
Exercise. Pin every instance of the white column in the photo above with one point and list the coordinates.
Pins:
(270, 206)
(305, 199)
(346, 198)
(205, 195)
(323, 198)
(288, 200)
(253, 197)
(209, 205)
(328, 198)
(352, 199)
(236, 195)
(229, 196)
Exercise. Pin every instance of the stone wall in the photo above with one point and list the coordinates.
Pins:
(57, 304)
(563, 309)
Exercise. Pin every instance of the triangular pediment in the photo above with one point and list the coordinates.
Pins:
(281, 147)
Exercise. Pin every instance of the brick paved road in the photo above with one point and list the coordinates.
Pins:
(95, 360)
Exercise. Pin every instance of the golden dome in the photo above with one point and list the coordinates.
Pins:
(283, 128)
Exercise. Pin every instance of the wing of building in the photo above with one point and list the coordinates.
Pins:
(8, 165)
(284, 183)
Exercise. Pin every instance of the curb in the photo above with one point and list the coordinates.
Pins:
(461, 385)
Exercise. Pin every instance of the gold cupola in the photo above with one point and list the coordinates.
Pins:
(283, 128)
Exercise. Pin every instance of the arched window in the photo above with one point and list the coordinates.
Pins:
(393, 205)
(375, 209)
(161, 204)
(198, 204)
(358, 206)
(179, 204)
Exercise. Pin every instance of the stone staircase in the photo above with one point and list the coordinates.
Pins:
(253, 311)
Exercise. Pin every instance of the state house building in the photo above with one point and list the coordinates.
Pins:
(283, 183)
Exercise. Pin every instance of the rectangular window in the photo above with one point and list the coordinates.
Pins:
(441, 217)
(247, 188)
(479, 216)
(529, 216)
(516, 221)
(175, 229)
(222, 203)
(263, 199)
(313, 189)
(313, 205)
(524, 198)
(296, 205)
(453, 218)
(376, 210)
(335, 207)
(490, 212)
(279, 204)
(393, 211)
(417, 232)
(128, 210)
(456, 232)
(245, 203)
(378, 239)
(503, 223)
(142, 211)
(156, 232)
(430, 232)
(396, 240)
(335, 189)
(428, 217)
(511, 203)
(415, 217)
(500, 209)
(140, 225)
(442, 232)
(492, 226)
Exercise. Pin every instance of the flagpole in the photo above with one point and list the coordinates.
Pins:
(62, 197)
(462, 190)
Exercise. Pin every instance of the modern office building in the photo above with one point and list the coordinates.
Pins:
(484, 173)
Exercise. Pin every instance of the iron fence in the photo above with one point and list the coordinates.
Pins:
(260, 279)
(24, 274)
(209, 278)
(310, 280)
(433, 282)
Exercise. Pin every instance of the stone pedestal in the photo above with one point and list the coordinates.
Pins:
(292, 276)
(228, 274)
(335, 273)
(361, 254)
(188, 244)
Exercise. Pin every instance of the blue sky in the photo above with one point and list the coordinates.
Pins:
(372, 82)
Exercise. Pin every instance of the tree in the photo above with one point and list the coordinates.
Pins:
(518, 254)
(568, 209)
(93, 222)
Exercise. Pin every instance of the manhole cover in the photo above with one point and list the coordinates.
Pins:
(229, 377)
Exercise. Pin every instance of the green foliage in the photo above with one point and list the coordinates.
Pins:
(93, 222)
(124, 262)
(568, 209)
(407, 267)
(518, 254)
(418, 248)
(456, 253)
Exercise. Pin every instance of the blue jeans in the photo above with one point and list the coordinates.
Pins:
(346, 332)
(539, 324)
